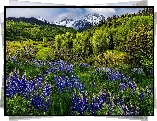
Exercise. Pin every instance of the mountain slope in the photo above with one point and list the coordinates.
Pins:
(19, 30)
(32, 20)
(81, 24)
(65, 22)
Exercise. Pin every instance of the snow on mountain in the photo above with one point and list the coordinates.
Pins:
(83, 23)
(80, 24)
(93, 18)
(41, 19)
(87, 21)
(65, 22)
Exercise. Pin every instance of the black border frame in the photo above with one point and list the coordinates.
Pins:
(67, 6)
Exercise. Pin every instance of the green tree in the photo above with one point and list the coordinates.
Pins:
(139, 47)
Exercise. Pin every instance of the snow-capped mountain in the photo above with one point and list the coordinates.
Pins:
(80, 24)
(93, 18)
(65, 22)
(87, 21)
(41, 19)
(83, 23)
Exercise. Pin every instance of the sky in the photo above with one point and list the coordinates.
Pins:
(57, 14)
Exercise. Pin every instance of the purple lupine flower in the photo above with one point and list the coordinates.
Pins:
(121, 77)
(47, 104)
(141, 95)
(86, 100)
(36, 85)
(134, 84)
(47, 90)
(22, 85)
(80, 105)
(70, 86)
(9, 92)
(90, 85)
(122, 86)
(72, 81)
(111, 104)
(150, 73)
(133, 91)
(26, 92)
(150, 91)
(62, 86)
(136, 111)
(55, 78)
(138, 70)
(37, 102)
(93, 106)
(125, 109)
(127, 78)
(74, 103)
(117, 100)
(121, 102)
(83, 65)
(127, 84)
(151, 88)
(40, 78)
(102, 98)
(108, 70)
(130, 84)
(131, 110)
(66, 81)
(30, 86)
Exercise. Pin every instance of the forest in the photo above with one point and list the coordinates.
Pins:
(104, 70)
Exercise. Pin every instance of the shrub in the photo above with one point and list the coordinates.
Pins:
(139, 47)
(45, 54)
(111, 59)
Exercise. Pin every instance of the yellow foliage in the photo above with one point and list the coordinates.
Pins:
(111, 58)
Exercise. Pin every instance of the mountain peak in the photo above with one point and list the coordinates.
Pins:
(87, 21)
(41, 19)
(82, 24)
(65, 22)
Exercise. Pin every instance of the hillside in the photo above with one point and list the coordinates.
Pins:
(106, 69)
(83, 23)
(19, 29)
(32, 20)
(111, 34)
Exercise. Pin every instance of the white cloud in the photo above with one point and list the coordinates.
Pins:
(48, 13)
(21, 12)
(72, 13)
(75, 10)
(103, 11)
(63, 16)
(56, 14)
(128, 10)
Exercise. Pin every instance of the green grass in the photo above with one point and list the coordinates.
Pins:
(61, 102)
